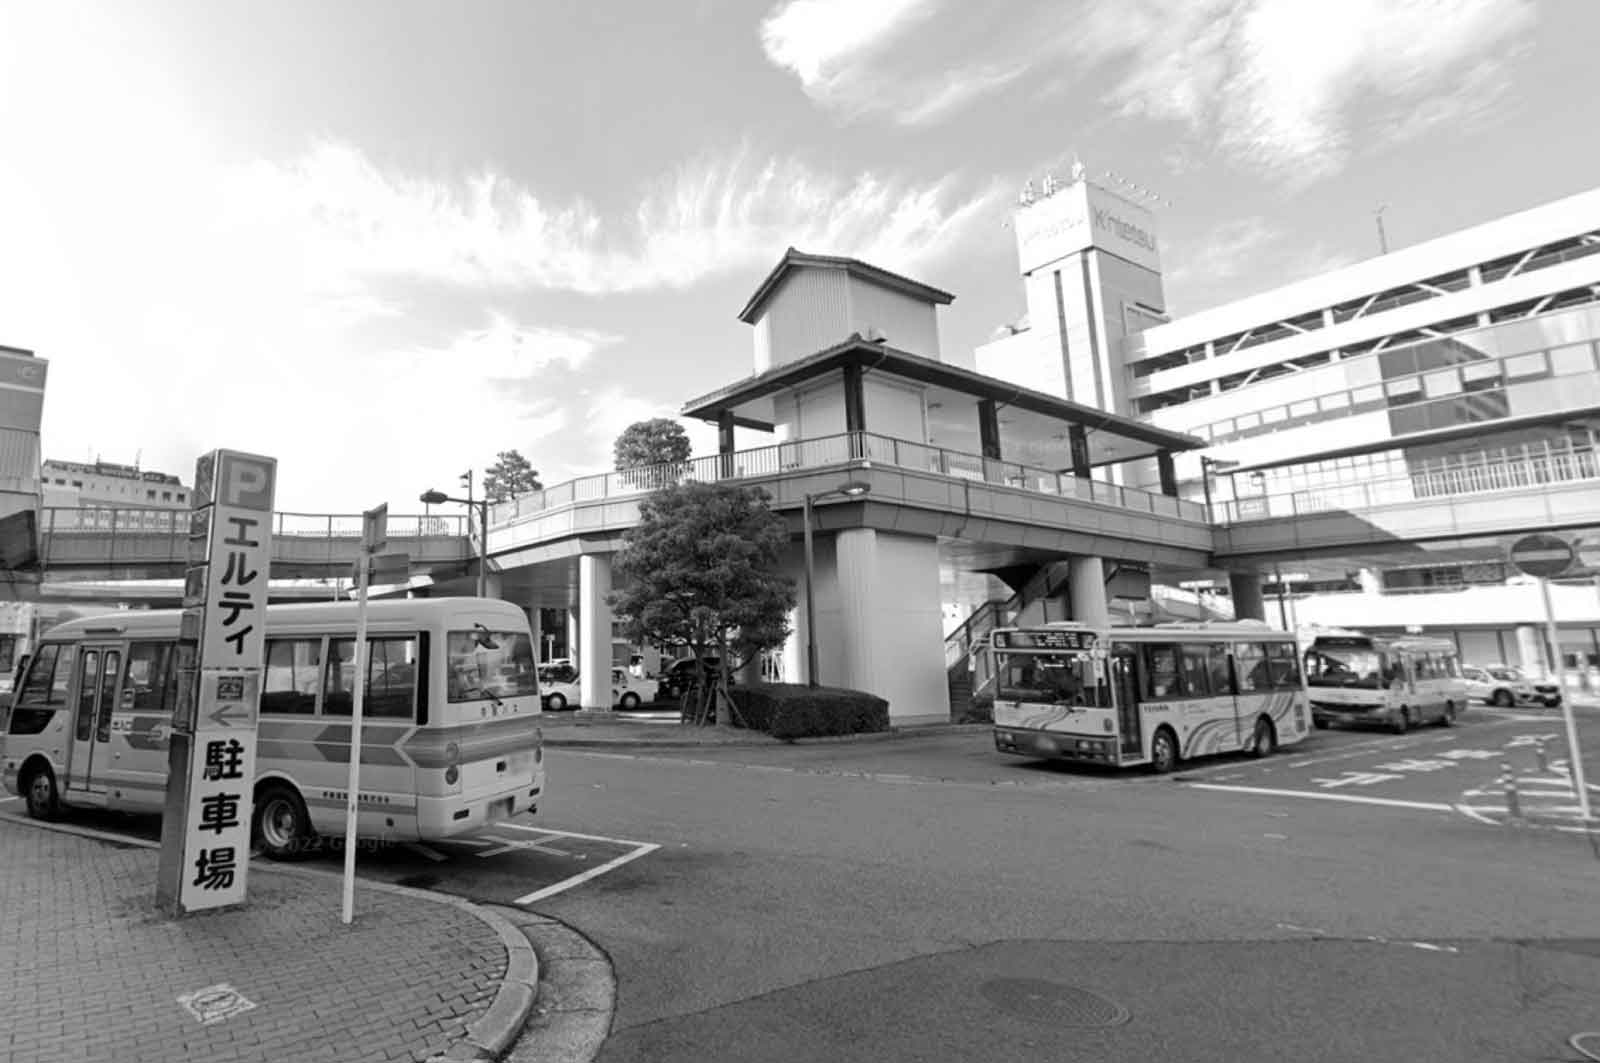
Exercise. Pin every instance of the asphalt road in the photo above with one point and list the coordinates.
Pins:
(930, 899)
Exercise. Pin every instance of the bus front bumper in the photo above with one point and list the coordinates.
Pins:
(1024, 742)
(1327, 712)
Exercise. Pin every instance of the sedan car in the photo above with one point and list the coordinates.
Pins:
(1505, 686)
(627, 691)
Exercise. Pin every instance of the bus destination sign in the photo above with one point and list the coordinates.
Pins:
(1046, 639)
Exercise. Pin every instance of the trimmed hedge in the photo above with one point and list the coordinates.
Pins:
(794, 710)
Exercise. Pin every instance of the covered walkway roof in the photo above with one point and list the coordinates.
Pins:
(1025, 413)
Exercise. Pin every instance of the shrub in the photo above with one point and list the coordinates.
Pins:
(794, 710)
(979, 710)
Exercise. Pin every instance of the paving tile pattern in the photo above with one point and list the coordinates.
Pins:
(91, 971)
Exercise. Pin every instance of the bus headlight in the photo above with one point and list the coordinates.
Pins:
(451, 774)
(1106, 723)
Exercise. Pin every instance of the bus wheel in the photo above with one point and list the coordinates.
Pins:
(1265, 742)
(39, 790)
(281, 828)
(1402, 723)
(556, 703)
(1449, 717)
(1163, 752)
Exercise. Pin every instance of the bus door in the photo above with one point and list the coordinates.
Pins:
(1125, 687)
(99, 668)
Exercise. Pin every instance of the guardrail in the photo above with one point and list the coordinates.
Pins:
(802, 454)
(1506, 474)
(131, 520)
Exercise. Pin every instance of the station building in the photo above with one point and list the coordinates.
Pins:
(1449, 367)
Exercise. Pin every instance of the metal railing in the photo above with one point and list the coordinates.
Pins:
(130, 520)
(781, 458)
(1553, 467)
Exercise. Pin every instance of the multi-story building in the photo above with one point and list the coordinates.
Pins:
(1420, 372)
(103, 483)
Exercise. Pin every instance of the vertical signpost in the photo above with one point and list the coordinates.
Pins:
(374, 536)
(1545, 557)
(205, 832)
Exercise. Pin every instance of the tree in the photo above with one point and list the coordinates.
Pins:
(701, 569)
(509, 476)
(658, 448)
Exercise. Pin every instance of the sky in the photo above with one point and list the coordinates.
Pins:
(383, 240)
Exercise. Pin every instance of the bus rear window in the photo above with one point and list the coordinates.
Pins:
(483, 665)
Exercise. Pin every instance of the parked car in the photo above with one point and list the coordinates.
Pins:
(564, 689)
(1505, 686)
(629, 691)
(676, 679)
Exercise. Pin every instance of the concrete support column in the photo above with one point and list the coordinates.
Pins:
(1086, 588)
(1248, 602)
(493, 585)
(594, 612)
(1530, 650)
(572, 633)
(890, 626)
(1168, 473)
(536, 627)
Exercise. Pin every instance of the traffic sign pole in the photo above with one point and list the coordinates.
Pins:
(1574, 757)
(372, 539)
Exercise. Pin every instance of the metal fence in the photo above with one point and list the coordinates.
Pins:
(826, 451)
(1497, 474)
(102, 520)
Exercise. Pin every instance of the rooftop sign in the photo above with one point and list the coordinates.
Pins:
(1084, 215)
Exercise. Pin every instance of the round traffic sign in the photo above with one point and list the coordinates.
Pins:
(1542, 555)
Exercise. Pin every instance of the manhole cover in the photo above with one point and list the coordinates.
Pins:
(1039, 1000)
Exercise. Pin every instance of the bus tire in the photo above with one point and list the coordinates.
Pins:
(39, 791)
(1402, 722)
(1449, 717)
(557, 703)
(1265, 741)
(1163, 751)
(280, 826)
(630, 700)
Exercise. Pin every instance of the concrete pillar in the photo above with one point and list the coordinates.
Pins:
(989, 429)
(1086, 586)
(493, 585)
(572, 633)
(536, 627)
(1248, 603)
(1530, 650)
(594, 612)
(890, 632)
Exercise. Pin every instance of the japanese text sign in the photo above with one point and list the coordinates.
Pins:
(221, 777)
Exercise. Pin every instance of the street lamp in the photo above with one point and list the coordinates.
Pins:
(1209, 466)
(434, 498)
(850, 489)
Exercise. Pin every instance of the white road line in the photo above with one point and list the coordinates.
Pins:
(571, 834)
(432, 854)
(3, 800)
(1353, 799)
(594, 872)
(1472, 813)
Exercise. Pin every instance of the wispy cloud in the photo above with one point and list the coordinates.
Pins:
(1240, 255)
(822, 40)
(720, 213)
(1285, 86)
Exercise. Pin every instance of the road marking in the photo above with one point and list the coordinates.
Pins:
(594, 872)
(568, 834)
(432, 854)
(1426, 806)
(3, 800)
(508, 845)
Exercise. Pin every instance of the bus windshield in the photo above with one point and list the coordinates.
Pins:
(1053, 679)
(1344, 666)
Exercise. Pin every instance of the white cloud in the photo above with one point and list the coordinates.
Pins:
(1284, 85)
(719, 213)
(1242, 256)
(819, 39)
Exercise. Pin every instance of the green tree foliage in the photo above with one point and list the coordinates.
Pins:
(701, 570)
(660, 443)
(509, 476)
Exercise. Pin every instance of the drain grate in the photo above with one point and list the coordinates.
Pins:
(1055, 1003)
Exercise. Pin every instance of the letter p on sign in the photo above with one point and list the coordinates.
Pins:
(245, 480)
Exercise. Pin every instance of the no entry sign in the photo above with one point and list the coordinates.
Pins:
(1542, 555)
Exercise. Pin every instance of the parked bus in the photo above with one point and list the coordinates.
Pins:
(1399, 681)
(1147, 695)
(450, 738)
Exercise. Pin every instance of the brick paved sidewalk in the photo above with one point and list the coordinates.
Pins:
(91, 971)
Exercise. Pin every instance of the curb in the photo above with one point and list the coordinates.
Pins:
(893, 734)
(577, 993)
(492, 1034)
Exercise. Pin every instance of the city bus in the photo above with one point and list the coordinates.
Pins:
(1151, 696)
(450, 737)
(1400, 681)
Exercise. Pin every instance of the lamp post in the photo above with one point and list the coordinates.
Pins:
(1208, 468)
(850, 489)
(481, 505)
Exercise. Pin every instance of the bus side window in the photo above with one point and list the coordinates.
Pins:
(1283, 666)
(1250, 660)
(290, 683)
(1160, 670)
(1221, 670)
(38, 696)
(1194, 671)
